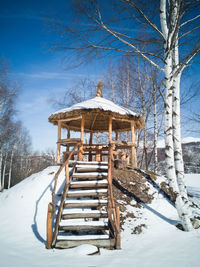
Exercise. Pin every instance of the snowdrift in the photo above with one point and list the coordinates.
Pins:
(23, 210)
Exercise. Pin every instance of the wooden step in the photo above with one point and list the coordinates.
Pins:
(82, 215)
(82, 226)
(87, 193)
(89, 184)
(92, 168)
(103, 243)
(90, 176)
(85, 203)
(99, 163)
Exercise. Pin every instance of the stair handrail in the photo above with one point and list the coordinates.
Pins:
(51, 206)
(60, 170)
(113, 210)
(61, 206)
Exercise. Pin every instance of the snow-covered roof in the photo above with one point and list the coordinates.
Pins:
(97, 111)
(98, 103)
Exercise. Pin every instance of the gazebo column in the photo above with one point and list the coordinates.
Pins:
(90, 143)
(133, 148)
(110, 136)
(68, 137)
(58, 144)
(80, 152)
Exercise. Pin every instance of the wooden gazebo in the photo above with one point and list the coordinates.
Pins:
(94, 116)
(88, 184)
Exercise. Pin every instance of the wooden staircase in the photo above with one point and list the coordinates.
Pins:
(86, 213)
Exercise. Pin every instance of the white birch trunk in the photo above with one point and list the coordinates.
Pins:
(155, 132)
(169, 146)
(178, 156)
(4, 167)
(10, 169)
(1, 160)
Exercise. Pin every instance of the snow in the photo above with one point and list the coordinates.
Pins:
(98, 103)
(23, 210)
(186, 140)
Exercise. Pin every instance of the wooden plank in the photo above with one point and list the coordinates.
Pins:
(84, 205)
(84, 216)
(91, 175)
(68, 141)
(82, 227)
(49, 226)
(107, 243)
(100, 185)
(86, 194)
(123, 143)
(70, 119)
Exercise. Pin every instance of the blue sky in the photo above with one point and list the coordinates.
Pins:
(24, 44)
(41, 74)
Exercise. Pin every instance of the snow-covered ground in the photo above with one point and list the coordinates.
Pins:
(23, 210)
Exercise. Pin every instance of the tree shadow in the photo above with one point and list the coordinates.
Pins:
(34, 226)
(142, 203)
(156, 186)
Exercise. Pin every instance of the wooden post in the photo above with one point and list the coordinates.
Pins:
(118, 239)
(133, 148)
(90, 143)
(49, 226)
(110, 130)
(58, 145)
(80, 152)
(68, 137)
(116, 135)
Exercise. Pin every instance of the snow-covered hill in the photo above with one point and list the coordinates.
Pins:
(23, 210)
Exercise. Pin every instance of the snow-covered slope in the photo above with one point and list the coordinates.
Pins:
(23, 211)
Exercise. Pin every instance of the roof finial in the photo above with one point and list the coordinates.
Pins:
(99, 89)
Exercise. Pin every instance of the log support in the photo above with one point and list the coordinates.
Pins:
(49, 226)
(110, 130)
(80, 152)
(133, 148)
(58, 145)
(68, 137)
(90, 143)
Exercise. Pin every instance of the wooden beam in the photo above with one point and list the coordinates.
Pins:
(110, 130)
(125, 120)
(90, 143)
(92, 125)
(71, 119)
(58, 145)
(80, 153)
(49, 226)
(133, 148)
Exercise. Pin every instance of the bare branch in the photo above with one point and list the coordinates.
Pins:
(190, 20)
(116, 35)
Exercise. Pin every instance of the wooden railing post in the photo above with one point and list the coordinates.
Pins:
(118, 238)
(58, 145)
(49, 226)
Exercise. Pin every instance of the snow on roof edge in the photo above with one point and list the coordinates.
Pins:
(98, 103)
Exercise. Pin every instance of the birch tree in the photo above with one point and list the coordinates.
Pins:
(173, 23)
